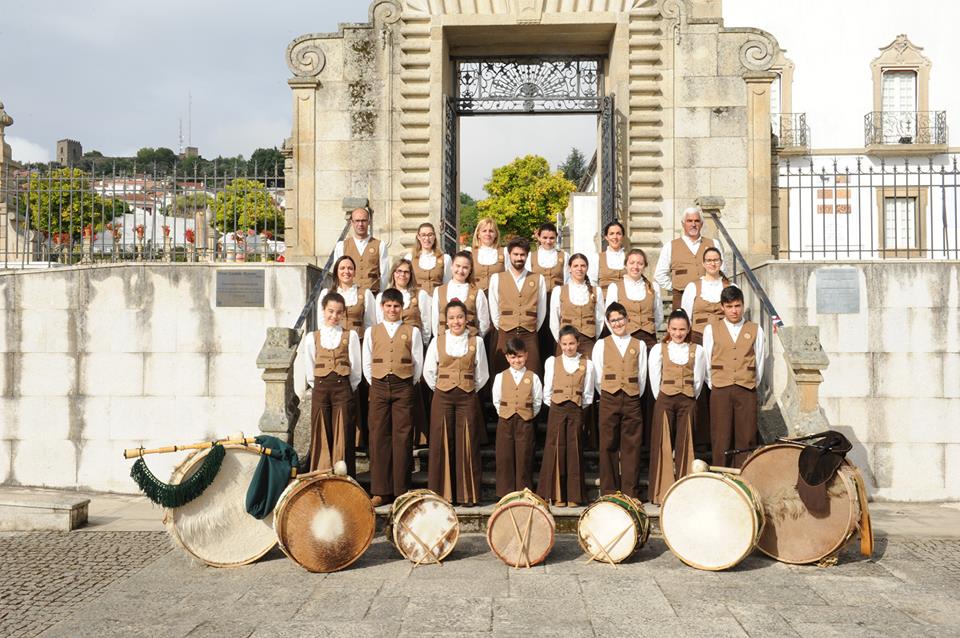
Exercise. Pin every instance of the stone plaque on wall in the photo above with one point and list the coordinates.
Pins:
(240, 288)
(838, 291)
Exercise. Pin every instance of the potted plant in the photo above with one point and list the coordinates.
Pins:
(190, 237)
(167, 251)
(138, 232)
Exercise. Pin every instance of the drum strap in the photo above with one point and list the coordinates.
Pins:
(866, 527)
(180, 494)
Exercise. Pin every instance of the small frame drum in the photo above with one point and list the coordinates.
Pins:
(613, 528)
(324, 522)
(521, 529)
(711, 521)
(423, 526)
(794, 534)
(215, 528)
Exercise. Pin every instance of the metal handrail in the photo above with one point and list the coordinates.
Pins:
(312, 298)
(748, 273)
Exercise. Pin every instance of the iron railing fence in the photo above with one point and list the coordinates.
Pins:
(905, 127)
(867, 208)
(66, 216)
(791, 130)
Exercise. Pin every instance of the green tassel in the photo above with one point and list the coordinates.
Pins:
(181, 493)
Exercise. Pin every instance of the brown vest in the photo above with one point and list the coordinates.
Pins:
(677, 379)
(428, 279)
(411, 315)
(392, 356)
(686, 267)
(568, 386)
(518, 308)
(368, 264)
(621, 372)
(353, 317)
(609, 275)
(336, 361)
(704, 311)
(456, 372)
(516, 399)
(639, 313)
(733, 363)
(583, 318)
(482, 273)
(552, 276)
(470, 302)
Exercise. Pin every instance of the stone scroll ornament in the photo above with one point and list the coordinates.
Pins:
(305, 58)
(757, 54)
(385, 11)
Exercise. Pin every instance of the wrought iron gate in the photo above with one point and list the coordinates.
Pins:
(608, 161)
(450, 224)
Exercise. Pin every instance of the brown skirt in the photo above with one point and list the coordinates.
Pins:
(454, 470)
(561, 473)
(332, 424)
(674, 418)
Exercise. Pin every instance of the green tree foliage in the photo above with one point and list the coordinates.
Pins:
(162, 158)
(246, 204)
(266, 161)
(63, 201)
(575, 166)
(468, 214)
(523, 195)
(187, 204)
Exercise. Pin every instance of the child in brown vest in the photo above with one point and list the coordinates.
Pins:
(517, 395)
(677, 370)
(392, 363)
(734, 354)
(620, 361)
(333, 356)
(567, 390)
(455, 368)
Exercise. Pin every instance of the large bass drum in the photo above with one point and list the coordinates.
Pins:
(793, 533)
(215, 528)
(324, 522)
(613, 528)
(521, 529)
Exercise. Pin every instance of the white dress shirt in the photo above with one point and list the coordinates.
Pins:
(579, 295)
(678, 353)
(416, 349)
(456, 346)
(457, 290)
(636, 290)
(350, 295)
(494, 293)
(709, 291)
(361, 245)
(621, 342)
(570, 364)
(487, 255)
(734, 330)
(330, 339)
(615, 260)
(423, 299)
(548, 259)
(661, 274)
(427, 261)
(496, 390)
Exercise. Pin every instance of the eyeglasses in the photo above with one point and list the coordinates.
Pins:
(617, 320)
(402, 272)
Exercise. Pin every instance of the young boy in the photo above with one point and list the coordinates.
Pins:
(733, 348)
(517, 395)
(621, 364)
(392, 364)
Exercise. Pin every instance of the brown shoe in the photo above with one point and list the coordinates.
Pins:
(573, 504)
(376, 501)
(560, 504)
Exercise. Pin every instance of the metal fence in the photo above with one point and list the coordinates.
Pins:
(65, 216)
(862, 207)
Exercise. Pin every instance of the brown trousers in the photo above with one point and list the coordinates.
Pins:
(677, 298)
(516, 443)
(454, 470)
(391, 435)
(701, 431)
(621, 438)
(733, 423)
(674, 418)
(332, 417)
(561, 473)
(591, 428)
(530, 339)
(646, 396)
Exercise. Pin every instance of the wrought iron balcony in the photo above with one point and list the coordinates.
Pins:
(905, 127)
(791, 130)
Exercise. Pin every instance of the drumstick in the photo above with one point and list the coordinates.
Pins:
(724, 470)
(526, 539)
(602, 548)
(435, 546)
(415, 537)
(139, 451)
(610, 544)
(520, 539)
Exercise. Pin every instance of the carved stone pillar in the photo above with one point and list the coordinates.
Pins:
(805, 359)
(758, 163)
(281, 405)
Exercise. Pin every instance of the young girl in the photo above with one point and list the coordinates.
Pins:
(546, 260)
(677, 370)
(361, 311)
(488, 257)
(416, 302)
(701, 298)
(567, 390)
(335, 368)
(639, 297)
(461, 288)
(610, 264)
(455, 367)
(430, 266)
(577, 304)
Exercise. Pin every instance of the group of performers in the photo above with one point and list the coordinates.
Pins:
(416, 349)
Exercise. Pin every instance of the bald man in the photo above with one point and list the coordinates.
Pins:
(681, 260)
(369, 254)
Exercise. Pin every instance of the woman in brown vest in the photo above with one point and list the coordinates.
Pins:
(701, 298)
(567, 390)
(461, 288)
(455, 367)
(577, 304)
(361, 310)
(488, 256)
(611, 262)
(677, 370)
(430, 266)
(335, 367)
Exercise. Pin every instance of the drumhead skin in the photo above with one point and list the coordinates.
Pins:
(324, 523)
(215, 528)
(793, 534)
(709, 521)
(521, 515)
(614, 526)
(422, 522)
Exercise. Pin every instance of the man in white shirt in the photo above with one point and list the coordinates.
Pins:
(518, 306)
(681, 260)
(369, 254)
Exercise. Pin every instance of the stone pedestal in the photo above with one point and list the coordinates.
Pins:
(281, 405)
(805, 359)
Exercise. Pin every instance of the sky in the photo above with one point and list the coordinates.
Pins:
(116, 74)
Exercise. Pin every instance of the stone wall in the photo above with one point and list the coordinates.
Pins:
(893, 382)
(95, 360)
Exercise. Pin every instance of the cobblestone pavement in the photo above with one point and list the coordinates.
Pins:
(129, 584)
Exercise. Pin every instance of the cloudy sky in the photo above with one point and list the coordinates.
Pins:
(115, 74)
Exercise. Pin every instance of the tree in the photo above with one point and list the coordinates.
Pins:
(574, 167)
(63, 202)
(187, 204)
(246, 204)
(267, 161)
(468, 214)
(162, 158)
(524, 194)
